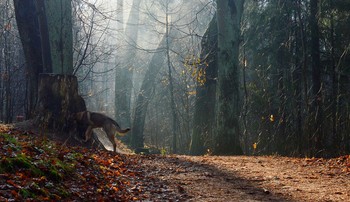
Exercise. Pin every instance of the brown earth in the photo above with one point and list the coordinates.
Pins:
(243, 178)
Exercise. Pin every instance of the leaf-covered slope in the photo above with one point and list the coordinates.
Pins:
(34, 168)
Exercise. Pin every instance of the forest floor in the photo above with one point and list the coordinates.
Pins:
(33, 168)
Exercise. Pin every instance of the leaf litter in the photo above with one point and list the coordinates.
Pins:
(37, 169)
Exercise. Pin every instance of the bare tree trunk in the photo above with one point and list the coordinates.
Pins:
(27, 23)
(304, 145)
(171, 85)
(44, 33)
(204, 114)
(228, 130)
(59, 23)
(336, 137)
(317, 136)
(297, 80)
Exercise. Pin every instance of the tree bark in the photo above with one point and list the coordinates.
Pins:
(316, 137)
(58, 100)
(28, 27)
(204, 114)
(44, 36)
(57, 104)
(59, 23)
(55, 100)
(228, 130)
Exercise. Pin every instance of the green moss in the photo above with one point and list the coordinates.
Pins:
(21, 161)
(25, 193)
(10, 142)
(54, 174)
(10, 139)
(55, 169)
(74, 156)
(67, 167)
(63, 192)
(48, 147)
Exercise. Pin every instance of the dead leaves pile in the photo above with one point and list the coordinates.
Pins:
(333, 166)
(33, 168)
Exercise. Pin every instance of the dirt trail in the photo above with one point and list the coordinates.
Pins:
(241, 178)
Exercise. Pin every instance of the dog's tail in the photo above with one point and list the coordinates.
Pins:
(122, 132)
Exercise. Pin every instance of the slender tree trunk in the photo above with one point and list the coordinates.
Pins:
(305, 143)
(171, 86)
(282, 65)
(336, 144)
(317, 137)
(297, 80)
(228, 130)
(7, 78)
(120, 100)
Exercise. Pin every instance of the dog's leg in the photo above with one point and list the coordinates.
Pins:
(108, 128)
(114, 144)
(88, 133)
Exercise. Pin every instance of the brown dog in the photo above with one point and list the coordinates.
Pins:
(97, 120)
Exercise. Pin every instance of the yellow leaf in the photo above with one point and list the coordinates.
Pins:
(272, 118)
(192, 92)
(255, 145)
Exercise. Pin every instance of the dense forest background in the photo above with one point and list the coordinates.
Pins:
(155, 67)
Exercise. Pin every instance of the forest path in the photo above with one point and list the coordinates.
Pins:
(177, 177)
(243, 178)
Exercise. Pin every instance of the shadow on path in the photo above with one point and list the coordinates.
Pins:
(204, 182)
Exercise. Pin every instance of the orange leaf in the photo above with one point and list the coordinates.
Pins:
(115, 189)
(14, 193)
(12, 183)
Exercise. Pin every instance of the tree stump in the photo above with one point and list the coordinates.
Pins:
(58, 101)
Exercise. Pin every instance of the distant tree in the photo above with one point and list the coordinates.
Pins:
(120, 99)
(296, 76)
(125, 71)
(12, 82)
(146, 93)
(317, 138)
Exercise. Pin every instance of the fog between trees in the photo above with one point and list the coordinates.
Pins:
(155, 66)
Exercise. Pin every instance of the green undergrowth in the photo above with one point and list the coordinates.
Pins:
(37, 160)
(35, 167)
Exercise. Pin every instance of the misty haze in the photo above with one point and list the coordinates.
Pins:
(163, 91)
